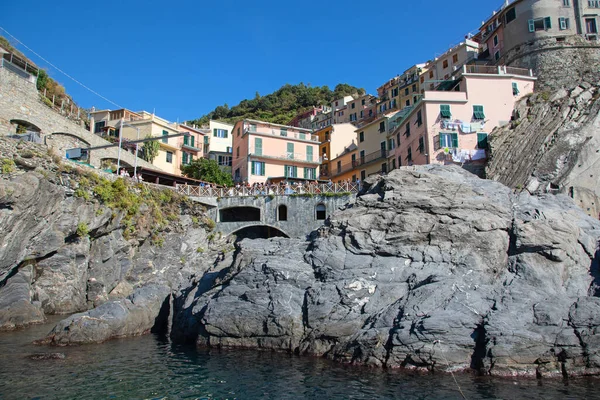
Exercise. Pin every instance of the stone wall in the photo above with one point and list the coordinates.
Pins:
(301, 212)
(19, 100)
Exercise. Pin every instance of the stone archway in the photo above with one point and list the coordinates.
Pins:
(240, 214)
(258, 231)
(22, 126)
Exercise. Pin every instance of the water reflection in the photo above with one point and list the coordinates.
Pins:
(151, 367)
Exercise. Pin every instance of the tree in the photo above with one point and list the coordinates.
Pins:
(42, 79)
(150, 150)
(208, 171)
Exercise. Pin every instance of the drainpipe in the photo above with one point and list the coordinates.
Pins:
(577, 7)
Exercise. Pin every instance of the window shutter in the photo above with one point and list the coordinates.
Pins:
(285, 171)
(548, 22)
(253, 167)
(309, 153)
(294, 171)
(437, 144)
(531, 25)
(258, 146)
(482, 140)
(193, 139)
(455, 140)
(226, 132)
(445, 111)
(185, 140)
(184, 156)
(306, 173)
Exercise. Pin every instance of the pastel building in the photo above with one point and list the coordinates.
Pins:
(218, 144)
(266, 152)
(138, 125)
(447, 127)
(443, 70)
(192, 144)
(344, 166)
(334, 140)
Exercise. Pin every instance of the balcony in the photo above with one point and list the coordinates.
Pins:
(189, 147)
(283, 134)
(493, 70)
(300, 158)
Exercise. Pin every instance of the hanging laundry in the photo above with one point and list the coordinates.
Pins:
(478, 155)
(465, 127)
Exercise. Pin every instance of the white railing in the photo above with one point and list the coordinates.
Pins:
(271, 190)
(288, 134)
(300, 157)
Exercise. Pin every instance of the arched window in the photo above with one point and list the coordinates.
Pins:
(321, 212)
(282, 213)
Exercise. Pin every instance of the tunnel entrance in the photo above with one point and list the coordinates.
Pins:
(240, 214)
(258, 232)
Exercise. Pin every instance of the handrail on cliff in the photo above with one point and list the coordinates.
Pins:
(326, 189)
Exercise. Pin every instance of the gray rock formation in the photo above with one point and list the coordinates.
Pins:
(431, 269)
(48, 267)
(132, 316)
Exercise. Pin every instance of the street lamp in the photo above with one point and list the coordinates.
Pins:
(136, 147)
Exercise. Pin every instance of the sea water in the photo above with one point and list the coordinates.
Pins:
(150, 367)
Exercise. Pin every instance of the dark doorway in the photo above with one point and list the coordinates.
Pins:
(282, 213)
(258, 232)
(321, 212)
(240, 214)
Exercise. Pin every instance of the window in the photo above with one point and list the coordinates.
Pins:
(414, 88)
(282, 213)
(406, 91)
(370, 113)
(361, 137)
(430, 74)
(206, 139)
(409, 155)
(419, 118)
(482, 140)
(354, 163)
(98, 126)
(258, 146)
(511, 15)
(237, 175)
(310, 173)
(222, 133)
(321, 212)
(394, 92)
(539, 24)
(448, 140)
(252, 128)
(497, 55)
(353, 105)
(566, 3)
(407, 131)
(165, 139)
(362, 114)
(399, 161)
(291, 171)
(515, 88)
(590, 25)
(563, 23)
(384, 168)
(445, 111)
(309, 153)
(382, 126)
(445, 64)
(169, 157)
(363, 175)
(407, 103)
(184, 158)
(336, 103)
(290, 151)
(593, 3)
(339, 167)
(391, 144)
(302, 136)
(478, 112)
(258, 168)
(283, 132)
(362, 156)
(455, 59)
(393, 164)
(238, 131)
(422, 80)
(363, 102)
(421, 145)
(224, 161)
(495, 40)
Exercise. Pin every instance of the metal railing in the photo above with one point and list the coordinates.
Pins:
(271, 190)
(283, 133)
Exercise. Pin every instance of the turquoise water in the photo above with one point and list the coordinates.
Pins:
(151, 368)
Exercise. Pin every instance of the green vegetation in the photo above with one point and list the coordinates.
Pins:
(209, 223)
(8, 166)
(82, 229)
(208, 171)
(279, 107)
(200, 250)
(150, 150)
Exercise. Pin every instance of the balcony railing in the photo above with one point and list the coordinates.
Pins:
(190, 147)
(494, 70)
(298, 157)
(283, 134)
(270, 190)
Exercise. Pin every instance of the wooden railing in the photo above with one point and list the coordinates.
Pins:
(271, 190)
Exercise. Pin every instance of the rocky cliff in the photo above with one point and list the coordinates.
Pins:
(553, 142)
(72, 240)
(432, 269)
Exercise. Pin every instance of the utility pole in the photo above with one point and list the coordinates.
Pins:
(119, 151)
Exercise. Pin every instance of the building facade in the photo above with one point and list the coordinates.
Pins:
(266, 152)
(334, 140)
(219, 144)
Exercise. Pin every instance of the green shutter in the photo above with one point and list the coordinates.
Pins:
(482, 140)
(253, 167)
(306, 173)
(283, 132)
(309, 153)
(164, 139)
(548, 22)
(478, 112)
(185, 140)
(294, 172)
(531, 25)
(226, 133)
(184, 156)
(302, 136)
(193, 138)
(441, 136)
(206, 139)
(445, 111)
(515, 88)
(290, 151)
(258, 146)
(215, 132)
(455, 140)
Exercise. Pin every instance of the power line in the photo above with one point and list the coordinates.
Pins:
(60, 70)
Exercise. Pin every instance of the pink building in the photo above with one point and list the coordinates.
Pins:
(264, 151)
(447, 127)
(192, 144)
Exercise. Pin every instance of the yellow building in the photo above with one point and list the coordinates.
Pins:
(372, 146)
(343, 167)
(333, 141)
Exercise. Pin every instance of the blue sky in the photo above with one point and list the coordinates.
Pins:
(183, 58)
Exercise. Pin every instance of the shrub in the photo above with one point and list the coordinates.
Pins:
(82, 193)
(8, 166)
(200, 250)
(82, 229)
(209, 223)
